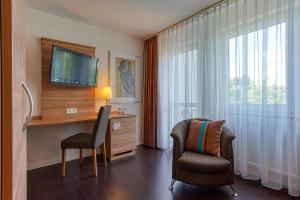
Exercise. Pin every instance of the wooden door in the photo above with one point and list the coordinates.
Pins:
(19, 165)
(13, 139)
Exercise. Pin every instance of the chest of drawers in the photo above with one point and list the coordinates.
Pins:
(121, 137)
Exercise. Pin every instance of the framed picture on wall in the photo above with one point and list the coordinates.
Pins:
(124, 77)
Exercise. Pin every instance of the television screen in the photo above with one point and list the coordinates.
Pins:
(72, 68)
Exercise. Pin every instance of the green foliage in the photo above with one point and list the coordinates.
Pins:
(256, 93)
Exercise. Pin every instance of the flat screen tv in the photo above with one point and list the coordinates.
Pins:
(72, 68)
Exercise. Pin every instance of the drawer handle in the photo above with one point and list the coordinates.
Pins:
(28, 118)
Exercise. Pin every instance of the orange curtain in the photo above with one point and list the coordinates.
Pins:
(149, 118)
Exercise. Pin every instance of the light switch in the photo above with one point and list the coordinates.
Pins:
(116, 126)
(71, 110)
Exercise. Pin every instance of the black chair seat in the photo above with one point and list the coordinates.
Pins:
(78, 141)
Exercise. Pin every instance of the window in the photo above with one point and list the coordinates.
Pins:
(185, 80)
(257, 66)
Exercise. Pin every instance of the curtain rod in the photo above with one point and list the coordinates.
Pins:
(191, 16)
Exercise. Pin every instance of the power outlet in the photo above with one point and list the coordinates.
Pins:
(71, 110)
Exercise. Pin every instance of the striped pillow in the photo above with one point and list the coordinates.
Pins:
(204, 137)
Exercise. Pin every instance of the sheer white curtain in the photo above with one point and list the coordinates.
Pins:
(239, 61)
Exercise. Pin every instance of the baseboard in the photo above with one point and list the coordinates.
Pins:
(51, 162)
(57, 160)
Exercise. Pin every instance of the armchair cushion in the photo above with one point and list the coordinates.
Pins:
(202, 163)
(204, 137)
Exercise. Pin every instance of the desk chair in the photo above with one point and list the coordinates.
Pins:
(89, 141)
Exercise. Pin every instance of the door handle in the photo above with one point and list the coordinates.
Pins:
(28, 118)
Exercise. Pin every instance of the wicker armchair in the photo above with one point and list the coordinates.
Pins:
(200, 169)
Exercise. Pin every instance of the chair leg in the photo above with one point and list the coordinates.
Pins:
(234, 193)
(103, 150)
(94, 152)
(80, 157)
(172, 184)
(63, 162)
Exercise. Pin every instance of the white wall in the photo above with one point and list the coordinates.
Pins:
(44, 142)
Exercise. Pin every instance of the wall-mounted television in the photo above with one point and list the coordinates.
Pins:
(72, 68)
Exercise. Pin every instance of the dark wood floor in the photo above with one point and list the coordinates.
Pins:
(144, 177)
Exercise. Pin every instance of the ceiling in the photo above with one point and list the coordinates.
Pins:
(139, 18)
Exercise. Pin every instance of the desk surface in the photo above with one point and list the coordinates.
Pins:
(38, 121)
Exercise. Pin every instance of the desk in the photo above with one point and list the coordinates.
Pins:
(121, 132)
(37, 121)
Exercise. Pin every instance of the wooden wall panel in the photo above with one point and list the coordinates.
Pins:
(57, 98)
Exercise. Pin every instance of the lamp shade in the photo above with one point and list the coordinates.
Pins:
(106, 92)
